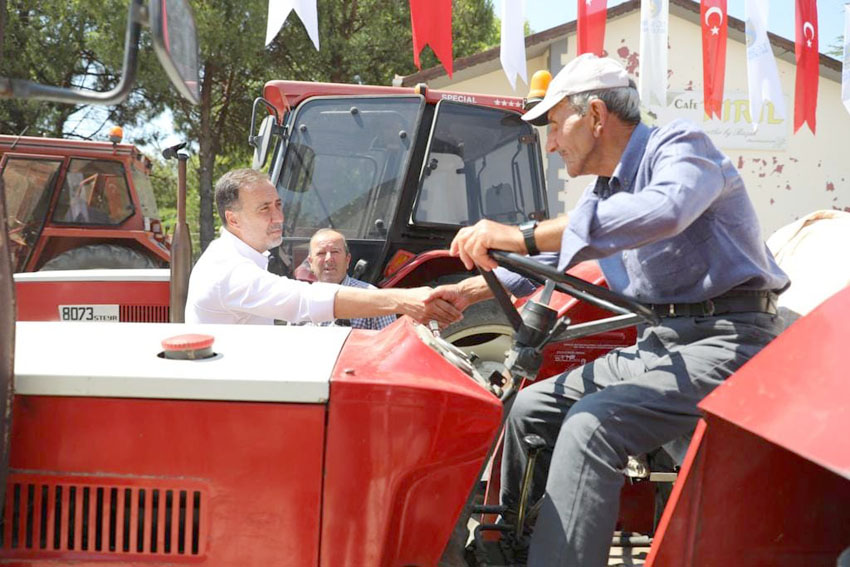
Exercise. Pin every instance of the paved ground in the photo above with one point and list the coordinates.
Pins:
(627, 556)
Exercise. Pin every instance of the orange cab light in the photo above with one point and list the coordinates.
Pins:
(539, 83)
(116, 134)
(399, 259)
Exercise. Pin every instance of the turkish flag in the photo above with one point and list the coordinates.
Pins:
(431, 21)
(714, 31)
(591, 25)
(808, 64)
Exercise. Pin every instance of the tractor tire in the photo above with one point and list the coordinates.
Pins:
(483, 330)
(100, 256)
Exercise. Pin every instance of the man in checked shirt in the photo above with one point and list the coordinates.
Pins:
(329, 260)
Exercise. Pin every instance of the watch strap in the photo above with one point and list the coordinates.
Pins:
(527, 230)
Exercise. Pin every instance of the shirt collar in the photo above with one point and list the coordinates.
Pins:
(624, 174)
(259, 258)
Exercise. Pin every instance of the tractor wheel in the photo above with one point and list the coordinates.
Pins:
(483, 330)
(108, 256)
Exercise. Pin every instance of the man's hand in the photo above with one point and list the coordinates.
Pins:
(451, 294)
(420, 306)
(472, 243)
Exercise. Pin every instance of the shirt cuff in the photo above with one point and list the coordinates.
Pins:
(320, 301)
(515, 283)
(571, 245)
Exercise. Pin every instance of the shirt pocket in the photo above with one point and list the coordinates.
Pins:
(668, 267)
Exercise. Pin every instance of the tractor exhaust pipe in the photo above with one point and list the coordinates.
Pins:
(181, 244)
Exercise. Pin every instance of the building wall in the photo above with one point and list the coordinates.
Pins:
(787, 174)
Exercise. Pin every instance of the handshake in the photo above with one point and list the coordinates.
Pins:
(444, 304)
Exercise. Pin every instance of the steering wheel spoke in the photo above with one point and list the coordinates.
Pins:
(576, 287)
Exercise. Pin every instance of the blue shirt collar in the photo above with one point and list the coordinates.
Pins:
(624, 174)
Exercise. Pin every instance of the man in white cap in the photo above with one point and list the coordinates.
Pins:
(670, 222)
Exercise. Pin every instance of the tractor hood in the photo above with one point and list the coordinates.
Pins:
(252, 363)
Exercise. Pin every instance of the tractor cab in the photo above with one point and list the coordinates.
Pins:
(80, 204)
(396, 170)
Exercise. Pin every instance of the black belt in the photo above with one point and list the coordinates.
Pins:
(736, 301)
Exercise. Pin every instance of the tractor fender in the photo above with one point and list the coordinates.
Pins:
(428, 268)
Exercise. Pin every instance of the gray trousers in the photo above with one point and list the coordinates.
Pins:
(631, 401)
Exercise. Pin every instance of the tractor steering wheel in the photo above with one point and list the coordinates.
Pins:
(617, 303)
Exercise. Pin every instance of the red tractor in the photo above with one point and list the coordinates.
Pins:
(79, 205)
(149, 444)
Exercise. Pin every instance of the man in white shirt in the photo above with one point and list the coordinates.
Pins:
(230, 282)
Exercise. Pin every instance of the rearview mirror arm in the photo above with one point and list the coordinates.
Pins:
(19, 88)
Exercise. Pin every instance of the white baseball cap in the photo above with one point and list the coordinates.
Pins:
(587, 72)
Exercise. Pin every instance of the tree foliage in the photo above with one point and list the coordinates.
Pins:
(76, 43)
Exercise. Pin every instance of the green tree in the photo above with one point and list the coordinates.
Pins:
(76, 43)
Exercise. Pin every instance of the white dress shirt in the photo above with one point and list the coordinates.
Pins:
(230, 284)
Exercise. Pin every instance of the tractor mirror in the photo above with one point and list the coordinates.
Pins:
(262, 141)
(176, 44)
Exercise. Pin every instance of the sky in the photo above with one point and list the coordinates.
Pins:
(545, 14)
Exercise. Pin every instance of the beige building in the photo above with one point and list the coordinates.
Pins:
(787, 174)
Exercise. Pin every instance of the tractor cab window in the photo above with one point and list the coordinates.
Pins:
(481, 163)
(28, 186)
(345, 163)
(94, 192)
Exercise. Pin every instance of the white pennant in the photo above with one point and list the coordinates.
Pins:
(279, 10)
(512, 53)
(762, 75)
(845, 71)
(654, 20)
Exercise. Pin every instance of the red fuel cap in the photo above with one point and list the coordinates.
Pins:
(188, 347)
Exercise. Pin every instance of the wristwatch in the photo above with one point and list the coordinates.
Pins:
(527, 230)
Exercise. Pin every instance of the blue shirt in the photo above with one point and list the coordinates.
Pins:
(673, 223)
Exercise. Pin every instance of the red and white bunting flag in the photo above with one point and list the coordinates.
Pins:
(714, 31)
(279, 10)
(512, 53)
(654, 15)
(762, 75)
(808, 64)
(431, 21)
(845, 71)
(590, 32)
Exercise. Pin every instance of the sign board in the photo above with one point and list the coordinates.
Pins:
(734, 129)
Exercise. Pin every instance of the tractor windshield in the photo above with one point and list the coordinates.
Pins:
(481, 163)
(345, 164)
(29, 187)
(95, 192)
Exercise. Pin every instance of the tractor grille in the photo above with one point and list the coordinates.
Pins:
(105, 517)
(143, 314)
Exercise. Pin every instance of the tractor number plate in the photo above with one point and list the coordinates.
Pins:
(107, 313)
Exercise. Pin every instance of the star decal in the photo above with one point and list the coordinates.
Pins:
(715, 30)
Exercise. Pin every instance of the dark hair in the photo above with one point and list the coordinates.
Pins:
(227, 189)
